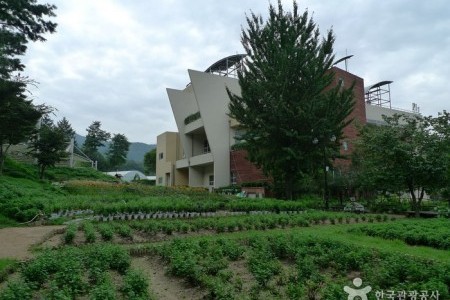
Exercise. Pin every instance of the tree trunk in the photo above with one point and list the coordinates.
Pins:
(415, 204)
(3, 157)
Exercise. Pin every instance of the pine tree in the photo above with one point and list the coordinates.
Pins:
(287, 100)
(118, 149)
(95, 138)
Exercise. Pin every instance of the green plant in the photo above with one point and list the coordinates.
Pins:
(70, 233)
(135, 286)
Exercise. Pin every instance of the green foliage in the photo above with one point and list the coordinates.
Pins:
(118, 149)
(135, 286)
(89, 232)
(21, 22)
(104, 291)
(406, 154)
(150, 162)
(106, 231)
(71, 272)
(433, 233)
(295, 266)
(70, 233)
(48, 146)
(16, 290)
(286, 101)
(95, 138)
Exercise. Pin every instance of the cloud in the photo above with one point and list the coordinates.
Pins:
(113, 60)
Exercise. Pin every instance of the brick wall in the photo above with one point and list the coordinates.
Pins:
(244, 170)
(358, 114)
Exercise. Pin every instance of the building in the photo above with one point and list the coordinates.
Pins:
(201, 153)
(378, 103)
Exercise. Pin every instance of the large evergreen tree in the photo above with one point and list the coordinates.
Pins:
(18, 116)
(287, 101)
(95, 138)
(20, 21)
(66, 128)
(118, 149)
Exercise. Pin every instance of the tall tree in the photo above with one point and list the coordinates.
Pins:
(408, 154)
(150, 162)
(18, 116)
(21, 21)
(48, 146)
(95, 138)
(118, 149)
(66, 128)
(286, 100)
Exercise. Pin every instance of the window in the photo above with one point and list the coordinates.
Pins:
(206, 148)
(341, 82)
(345, 146)
(161, 155)
(233, 178)
(211, 180)
(160, 180)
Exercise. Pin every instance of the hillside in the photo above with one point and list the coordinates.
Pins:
(136, 152)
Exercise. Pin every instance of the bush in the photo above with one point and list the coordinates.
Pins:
(135, 286)
(16, 290)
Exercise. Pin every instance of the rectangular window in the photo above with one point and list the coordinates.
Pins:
(160, 180)
(233, 178)
(206, 148)
(211, 180)
(161, 155)
(345, 146)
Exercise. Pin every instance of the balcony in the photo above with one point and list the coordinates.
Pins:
(193, 126)
(202, 159)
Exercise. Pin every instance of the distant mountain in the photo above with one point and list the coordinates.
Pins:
(136, 152)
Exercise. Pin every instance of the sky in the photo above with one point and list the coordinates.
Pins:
(112, 60)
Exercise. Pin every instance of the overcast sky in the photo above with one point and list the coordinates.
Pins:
(112, 60)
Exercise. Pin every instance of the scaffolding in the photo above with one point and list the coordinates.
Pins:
(379, 94)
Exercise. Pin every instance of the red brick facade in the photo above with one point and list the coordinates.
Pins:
(358, 115)
(245, 171)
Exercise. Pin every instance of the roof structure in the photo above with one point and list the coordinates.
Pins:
(227, 66)
(379, 93)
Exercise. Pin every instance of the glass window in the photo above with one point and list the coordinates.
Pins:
(161, 155)
(211, 179)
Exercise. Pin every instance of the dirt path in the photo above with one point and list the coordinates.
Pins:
(163, 286)
(16, 241)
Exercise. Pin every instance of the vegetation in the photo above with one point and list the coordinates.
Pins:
(286, 101)
(118, 149)
(74, 272)
(22, 22)
(291, 266)
(48, 146)
(433, 233)
(407, 154)
(150, 162)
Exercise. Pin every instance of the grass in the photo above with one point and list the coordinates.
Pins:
(7, 222)
(7, 265)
